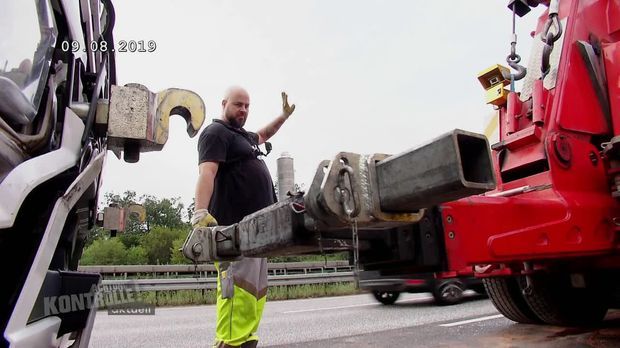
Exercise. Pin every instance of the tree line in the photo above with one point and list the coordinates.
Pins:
(157, 240)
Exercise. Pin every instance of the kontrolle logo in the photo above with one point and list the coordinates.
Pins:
(117, 299)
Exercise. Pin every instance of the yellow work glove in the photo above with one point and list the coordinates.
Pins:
(202, 218)
(286, 109)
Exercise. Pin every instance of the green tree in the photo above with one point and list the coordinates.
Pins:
(167, 212)
(137, 256)
(142, 242)
(130, 239)
(94, 234)
(191, 209)
(158, 243)
(128, 198)
(176, 256)
(105, 252)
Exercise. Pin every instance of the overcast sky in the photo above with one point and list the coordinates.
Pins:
(366, 76)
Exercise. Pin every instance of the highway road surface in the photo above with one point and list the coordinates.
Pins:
(354, 321)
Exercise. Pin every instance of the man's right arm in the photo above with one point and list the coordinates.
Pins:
(204, 191)
(206, 181)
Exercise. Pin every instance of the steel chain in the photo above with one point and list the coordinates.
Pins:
(344, 196)
(549, 38)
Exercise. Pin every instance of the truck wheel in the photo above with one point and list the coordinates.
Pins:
(448, 293)
(557, 302)
(386, 297)
(506, 296)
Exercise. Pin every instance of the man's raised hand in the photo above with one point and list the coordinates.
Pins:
(287, 110)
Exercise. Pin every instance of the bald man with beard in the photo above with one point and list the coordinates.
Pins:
(232, 183)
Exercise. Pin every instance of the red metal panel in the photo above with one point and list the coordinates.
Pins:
(613, 17)
(578, 108)
(521, 148)
(523, 156)
(539, 103)
(464, 271)
(536, 225)
(611, 54)
(513, 110)
(527, 136)
(573, 218)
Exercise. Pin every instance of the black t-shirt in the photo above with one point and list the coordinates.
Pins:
(242, 184)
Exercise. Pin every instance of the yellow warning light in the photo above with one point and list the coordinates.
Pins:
(497, 95)
(493, 81)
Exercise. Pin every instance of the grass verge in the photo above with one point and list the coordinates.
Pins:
(199, 297)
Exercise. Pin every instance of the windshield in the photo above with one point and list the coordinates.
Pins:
(28, 38)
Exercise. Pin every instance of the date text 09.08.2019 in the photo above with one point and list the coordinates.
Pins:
(103, 46)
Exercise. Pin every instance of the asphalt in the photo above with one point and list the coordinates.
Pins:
(355, 321)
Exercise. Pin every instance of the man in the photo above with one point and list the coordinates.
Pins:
(232, 183)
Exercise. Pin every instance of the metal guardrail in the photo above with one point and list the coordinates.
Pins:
(211, 283)
(208, 270)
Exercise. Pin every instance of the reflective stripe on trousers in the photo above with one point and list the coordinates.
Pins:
(241, 296)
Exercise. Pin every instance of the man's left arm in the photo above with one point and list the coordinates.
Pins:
(272, 128)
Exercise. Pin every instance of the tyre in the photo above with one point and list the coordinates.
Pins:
(386, 297)
(556, 302)
(448, 293)
(505, 293)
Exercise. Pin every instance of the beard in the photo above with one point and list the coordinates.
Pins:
(236, 122)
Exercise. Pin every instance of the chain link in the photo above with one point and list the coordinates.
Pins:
(196, 275)
(549, 38)
(320, 238)
(356, 247)
(345, 196)
(356, 252)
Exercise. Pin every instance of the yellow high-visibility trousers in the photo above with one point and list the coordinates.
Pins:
(241, 296)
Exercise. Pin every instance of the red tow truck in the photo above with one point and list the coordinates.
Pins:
(535, 216)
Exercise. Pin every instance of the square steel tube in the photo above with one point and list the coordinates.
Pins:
(273, 231)
(455, 165)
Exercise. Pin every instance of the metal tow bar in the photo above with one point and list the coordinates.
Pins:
(352, 198)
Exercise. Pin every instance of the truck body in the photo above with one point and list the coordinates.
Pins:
(552, 257)
(60, 111)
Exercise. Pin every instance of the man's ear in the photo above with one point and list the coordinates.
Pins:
(224, 103)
